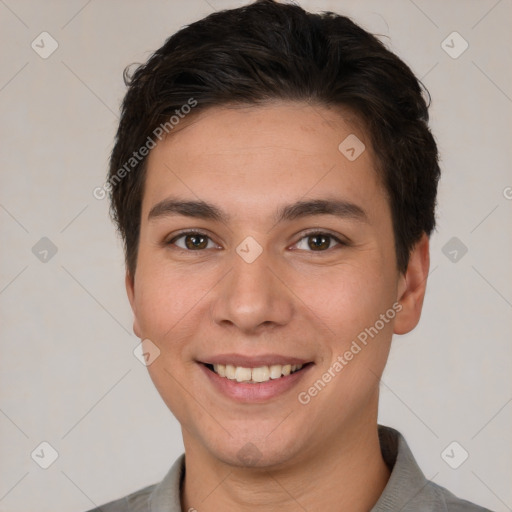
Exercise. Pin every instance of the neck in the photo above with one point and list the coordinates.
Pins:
(348, 474)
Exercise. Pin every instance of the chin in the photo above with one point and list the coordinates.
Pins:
(242, 452)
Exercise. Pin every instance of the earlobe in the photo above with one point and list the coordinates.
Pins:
(412, 286)
(130, 291)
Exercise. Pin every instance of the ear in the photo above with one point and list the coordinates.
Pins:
(412, 286)
(130, 291)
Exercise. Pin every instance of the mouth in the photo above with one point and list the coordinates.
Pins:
(255, 375)
(254, 379)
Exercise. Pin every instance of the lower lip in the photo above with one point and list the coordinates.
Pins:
(254, 393)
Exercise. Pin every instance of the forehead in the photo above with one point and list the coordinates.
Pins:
(294, 126)
(255, 155)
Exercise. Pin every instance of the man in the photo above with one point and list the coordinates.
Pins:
(274, 181)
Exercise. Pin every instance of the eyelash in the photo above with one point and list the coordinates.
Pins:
(305, 235)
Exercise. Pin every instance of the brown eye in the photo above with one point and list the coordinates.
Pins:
(318, 242)
(193, 241)
(196, 242)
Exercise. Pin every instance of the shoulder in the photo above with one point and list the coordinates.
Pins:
(407, 489)
(452, 503)
(153, 498)
(138, 501)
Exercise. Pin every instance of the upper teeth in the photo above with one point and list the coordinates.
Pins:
(260, 374)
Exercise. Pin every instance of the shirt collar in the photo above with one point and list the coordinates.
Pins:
(407, 489)
(166, 495)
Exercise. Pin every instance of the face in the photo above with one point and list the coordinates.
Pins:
(284, 264)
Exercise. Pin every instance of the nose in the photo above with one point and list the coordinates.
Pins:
(252, 296)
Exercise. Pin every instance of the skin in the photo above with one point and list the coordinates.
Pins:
(292, 300)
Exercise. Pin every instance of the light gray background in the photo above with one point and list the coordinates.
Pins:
(68, 374)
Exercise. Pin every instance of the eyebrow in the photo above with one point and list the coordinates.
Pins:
(207, 211)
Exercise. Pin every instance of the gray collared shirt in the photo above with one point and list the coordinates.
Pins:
(407, 489)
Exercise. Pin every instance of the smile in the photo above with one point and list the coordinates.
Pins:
(254, 375)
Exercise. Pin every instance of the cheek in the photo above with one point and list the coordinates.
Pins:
(172, 305)
(351, 307)
(163, 299)
(347, 298)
